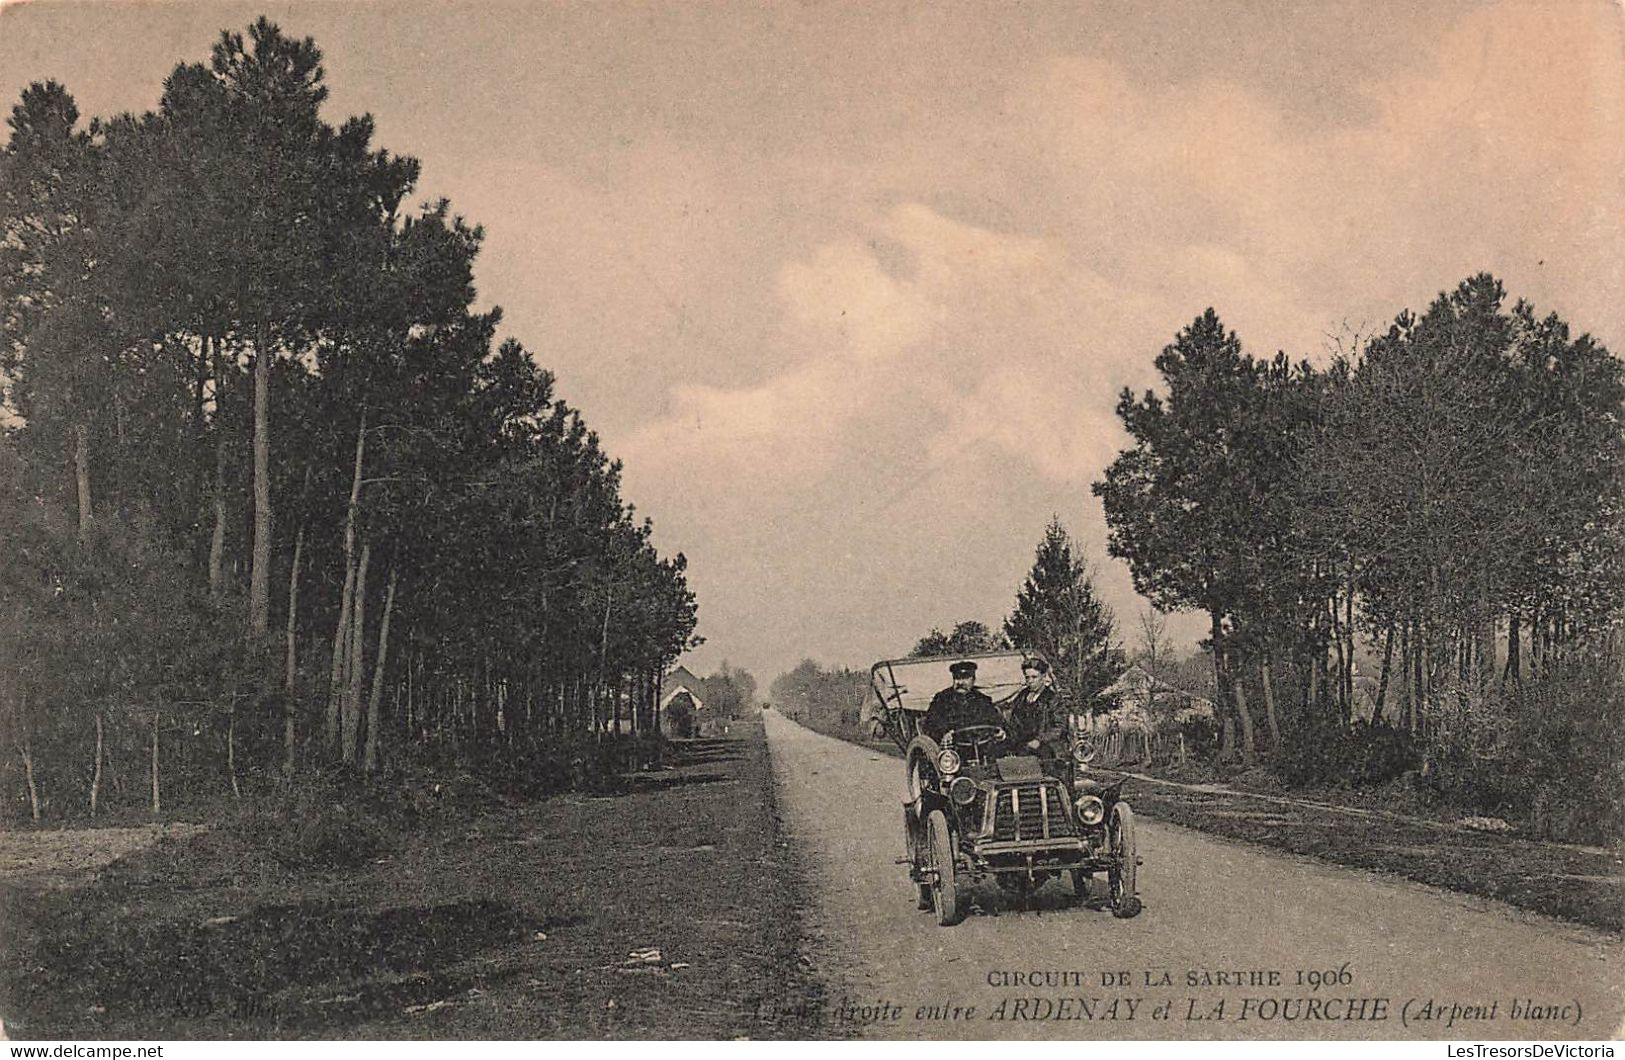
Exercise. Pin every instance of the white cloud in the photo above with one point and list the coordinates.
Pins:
(935, 353)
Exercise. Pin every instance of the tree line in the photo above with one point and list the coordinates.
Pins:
(1057, 616)
(272, 491)
(1445, 495)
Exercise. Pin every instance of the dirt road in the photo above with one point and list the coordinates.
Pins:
(1227, 931)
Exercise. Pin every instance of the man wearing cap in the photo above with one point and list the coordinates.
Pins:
(959, 705)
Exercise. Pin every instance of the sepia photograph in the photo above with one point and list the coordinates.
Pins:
(991, 520)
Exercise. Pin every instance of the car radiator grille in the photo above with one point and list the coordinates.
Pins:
(1031, 811)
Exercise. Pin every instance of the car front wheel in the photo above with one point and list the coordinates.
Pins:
(945, 886)
(1123, 876)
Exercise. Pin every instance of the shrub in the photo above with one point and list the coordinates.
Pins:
(1201, 734)
(1366, 754)
(327, 820)
(1549, 753)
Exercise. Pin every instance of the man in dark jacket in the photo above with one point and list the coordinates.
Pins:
(959, 705)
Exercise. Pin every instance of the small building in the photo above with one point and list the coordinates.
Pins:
(1148, 703)
(682, 703)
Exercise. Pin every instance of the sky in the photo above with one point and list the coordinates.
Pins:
(853, 288)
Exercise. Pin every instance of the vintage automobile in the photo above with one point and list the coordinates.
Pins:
(973, 811)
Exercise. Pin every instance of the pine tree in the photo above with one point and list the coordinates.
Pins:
(1059, 616)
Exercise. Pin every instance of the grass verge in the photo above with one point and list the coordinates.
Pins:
(1575, 884)
(666, 911)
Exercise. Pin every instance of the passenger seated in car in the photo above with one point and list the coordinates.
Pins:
(959, 705)
(1032, 716)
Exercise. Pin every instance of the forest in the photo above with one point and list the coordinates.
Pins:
(1446, 496)
(276, 501)
(1411, 558)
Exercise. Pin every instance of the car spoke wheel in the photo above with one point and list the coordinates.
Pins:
(919, 857)
(1123, 876)
(945, 887)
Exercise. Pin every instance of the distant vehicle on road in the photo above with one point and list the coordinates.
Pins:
(973, 810)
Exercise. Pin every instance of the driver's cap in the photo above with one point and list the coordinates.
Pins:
(965, 668)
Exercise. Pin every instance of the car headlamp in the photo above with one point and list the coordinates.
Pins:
(948, 762)
(1091, 810)
(962, 791)
(1083, 751)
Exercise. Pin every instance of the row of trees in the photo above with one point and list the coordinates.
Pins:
(271, 485)
(1057, 615)
(830, 700)
(1447, 493)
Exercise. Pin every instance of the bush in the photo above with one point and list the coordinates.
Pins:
(1201, 733)
(548, 764)
(328, 820)
(1367, 754)
(1549, 754)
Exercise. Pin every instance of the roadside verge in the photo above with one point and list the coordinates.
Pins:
(669, 909)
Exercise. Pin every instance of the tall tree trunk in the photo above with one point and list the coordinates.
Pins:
(217, 539)
(259, 579)
(1221, 688)
(290, 677)
(1514, 665)
(341, 635)
(336, 682)
(26, 750)
(1348, 640)
(157, 802)
(200, 433)
(356, 659)
(1270, 716)
(231, 747)
(1249, 746)
(1343, 706)
(81, 475)
(370, 762)
(96, 780)
(1387, 662)
(1312, 693)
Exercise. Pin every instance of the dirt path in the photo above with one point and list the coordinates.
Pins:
(1214, 911)
(64, 857)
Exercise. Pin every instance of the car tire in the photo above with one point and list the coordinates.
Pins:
(945, 889)
(1124, 874)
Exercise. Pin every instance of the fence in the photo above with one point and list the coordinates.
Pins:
(1114, 746)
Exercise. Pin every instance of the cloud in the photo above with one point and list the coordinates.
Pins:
(889, 324)
(960, 348)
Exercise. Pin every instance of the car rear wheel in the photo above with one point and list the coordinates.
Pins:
(1123, 876)
(945, 886)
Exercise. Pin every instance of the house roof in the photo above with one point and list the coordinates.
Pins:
(1136, 680)
(682, 680)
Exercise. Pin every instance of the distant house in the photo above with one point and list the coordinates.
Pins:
(1147, 702)
(682, 702)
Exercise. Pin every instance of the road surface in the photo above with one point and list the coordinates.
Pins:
(1218, 952)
